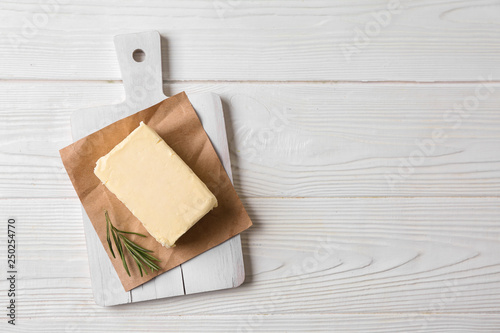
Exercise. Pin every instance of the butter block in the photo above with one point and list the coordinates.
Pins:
(155, 184)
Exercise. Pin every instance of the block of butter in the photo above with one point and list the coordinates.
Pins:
(155, 184)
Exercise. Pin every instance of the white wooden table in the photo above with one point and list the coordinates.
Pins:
(365, 146)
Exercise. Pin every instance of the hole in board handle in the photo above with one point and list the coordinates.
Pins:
(139, 55)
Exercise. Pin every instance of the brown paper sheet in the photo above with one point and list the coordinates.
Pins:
(177, 123)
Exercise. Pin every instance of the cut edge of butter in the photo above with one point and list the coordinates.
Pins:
(176, 200)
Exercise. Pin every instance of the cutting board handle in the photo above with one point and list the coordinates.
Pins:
(139, 56)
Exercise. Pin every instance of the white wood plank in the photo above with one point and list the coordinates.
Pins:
(258, 40)
(303, 256)
(335, 140)
(418, 322)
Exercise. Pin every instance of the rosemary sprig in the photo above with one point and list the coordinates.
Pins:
(141, 256)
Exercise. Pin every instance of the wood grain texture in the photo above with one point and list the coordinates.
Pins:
(259, 40)
(303, 256)
(386, 323)
(288, 140)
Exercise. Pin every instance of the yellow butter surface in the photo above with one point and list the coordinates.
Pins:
(155, 184)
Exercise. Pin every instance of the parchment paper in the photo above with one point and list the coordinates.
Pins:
(177, 123)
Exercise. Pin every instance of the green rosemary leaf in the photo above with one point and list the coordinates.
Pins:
(115, 239)
(141, 256)
(150, 263)
(137, 261)
(118, 244)
(135, 252)
(107, 233)
(140, 248)
(125, 264)
(129, 232)
(150, 257)
(140, 266)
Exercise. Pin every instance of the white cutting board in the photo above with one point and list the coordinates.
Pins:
(218, 268)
